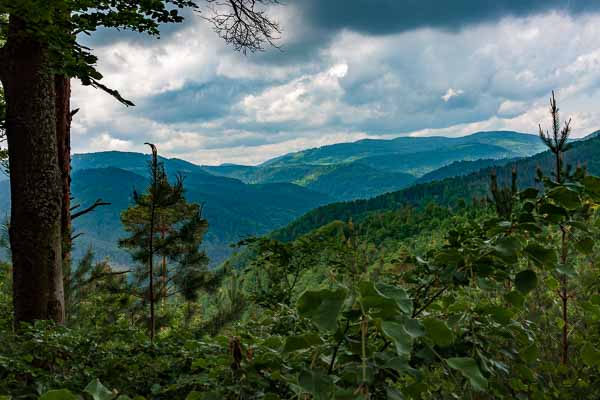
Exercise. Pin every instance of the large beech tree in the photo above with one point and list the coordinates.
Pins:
(39, 57)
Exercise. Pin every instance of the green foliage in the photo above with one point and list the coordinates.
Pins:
(406, 303)
(163, 226)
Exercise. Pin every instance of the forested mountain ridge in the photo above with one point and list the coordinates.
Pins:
(235, 209)
(460, 168)
(393, 164)
(445, 192)
(511, 141)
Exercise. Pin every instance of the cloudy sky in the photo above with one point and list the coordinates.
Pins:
(348, 69)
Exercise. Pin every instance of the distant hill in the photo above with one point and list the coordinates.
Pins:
(392, 164)
(234, 209)
(592, 135)
(448, 191)
(423, 162)
(461, 168)
(520, 144)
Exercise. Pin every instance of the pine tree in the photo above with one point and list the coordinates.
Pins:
(557, 143)
(163, 226)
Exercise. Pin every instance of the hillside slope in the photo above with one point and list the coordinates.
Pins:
(446, 192)
(461, 168)
(234, 209)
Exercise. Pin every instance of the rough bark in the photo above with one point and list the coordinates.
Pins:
(62, 85)
(36, 190)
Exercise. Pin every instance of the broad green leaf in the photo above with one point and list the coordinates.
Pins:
(568, 270)
(526, 281)
(565, 197)
(376, 303)
(322, 306)
(585, 245)
(582, 226)
(98, 391)
(529, 193)
(470, 370)
(508, 248)
(553, 213)
(293, 343)
(396, 332)
(438, 331)
(399, 364)
(62, 394)
(541, 255)
(529, 354)
(449, 257)
(515, 298)
(552, 283)
(501, 315)
(317, 383)
(399, 295)
(590, 355)
(592, 186)
(414, 327)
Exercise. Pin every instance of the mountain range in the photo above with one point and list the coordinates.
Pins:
(241, 201)
(449, 189)
(371, 167)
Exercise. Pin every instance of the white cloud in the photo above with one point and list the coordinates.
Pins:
(450, 93)
(314, 100)
(486, 77)
(107, 142)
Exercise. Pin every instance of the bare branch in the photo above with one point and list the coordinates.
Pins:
(244, 23)
(96, 204)
(76, 236)
(114, 93)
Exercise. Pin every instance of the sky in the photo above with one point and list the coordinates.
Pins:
(346, 70)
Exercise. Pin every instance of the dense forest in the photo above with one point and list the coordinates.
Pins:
(481, 281)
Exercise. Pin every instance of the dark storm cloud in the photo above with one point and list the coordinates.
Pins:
(322, 19)
(393, 16)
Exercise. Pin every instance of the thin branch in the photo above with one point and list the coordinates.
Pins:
(76, 236)
(96, 204)
(95, 277)
(431, 300)
(337, 347)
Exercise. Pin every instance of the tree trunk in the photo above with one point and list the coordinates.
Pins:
(36, 190)
(62, 85)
